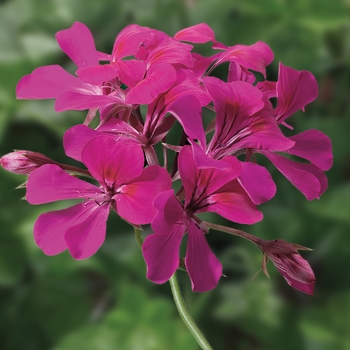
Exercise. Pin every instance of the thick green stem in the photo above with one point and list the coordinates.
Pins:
(180, 305)
(185, 315)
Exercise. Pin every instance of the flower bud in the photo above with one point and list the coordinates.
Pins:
(295, 270)
(24, 162)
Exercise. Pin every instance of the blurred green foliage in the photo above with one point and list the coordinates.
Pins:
(106, 302)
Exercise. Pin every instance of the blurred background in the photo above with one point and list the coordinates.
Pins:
(105, 302)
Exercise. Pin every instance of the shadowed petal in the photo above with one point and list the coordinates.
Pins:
(50, 183)
(169, 212)
(86, 237)
(77, 42)
(203, 267)
(161, 253)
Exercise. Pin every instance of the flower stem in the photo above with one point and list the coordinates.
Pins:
(185, 315)
(180, 304)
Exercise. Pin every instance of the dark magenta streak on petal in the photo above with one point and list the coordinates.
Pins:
(203, 267)
(75, 139)
(47, 82)
(49, 229)
(161, 254)
(87, 236)
(77, 42)
(113, 163)
(50, 183)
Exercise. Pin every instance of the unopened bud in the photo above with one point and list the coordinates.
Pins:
(24, 162)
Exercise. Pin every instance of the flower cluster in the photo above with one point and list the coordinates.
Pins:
(215, 166)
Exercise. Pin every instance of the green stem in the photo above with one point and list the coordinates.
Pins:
(185, 315)
(180, 305)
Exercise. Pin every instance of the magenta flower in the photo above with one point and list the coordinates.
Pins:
(295, 270)
(206, 190)
(295, 89)
(124, 186)
(70, 92)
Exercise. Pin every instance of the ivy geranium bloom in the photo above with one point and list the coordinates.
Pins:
(294, 90)
(124, 185)
(206, 190)
(70, 92)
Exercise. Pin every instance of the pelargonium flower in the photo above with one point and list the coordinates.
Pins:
(124, 185)
(295, 89)
(206, 190)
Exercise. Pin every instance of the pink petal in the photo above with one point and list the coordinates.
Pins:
(75, 139)
(50, 183)
(267, 87)
(159, 79)
(237, 72)
(78, 43)
(295, 89)
(171, 51)
(47, 82)
(244, 119)
(87, 236)
(199, 183)
(49, 229)
(200, 33)
(201, 63)
(111, 162)
(257, 182)
(131, 72)
(188, 111)
(203, 267)
(298, 174)
(135, 199)
(255, 57)
(169, 213)
(129, 40)
(314, 146)
(96, 75)
(203, 161)
(233, 203)
(161, 254)
(71, 100)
